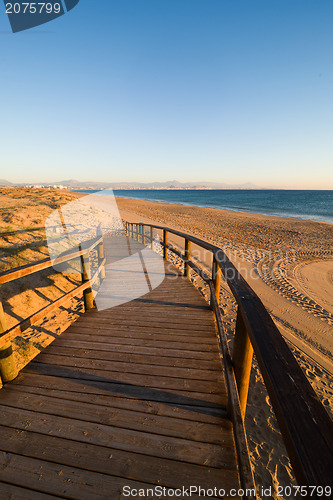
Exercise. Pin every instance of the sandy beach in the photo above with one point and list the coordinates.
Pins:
(288, 262)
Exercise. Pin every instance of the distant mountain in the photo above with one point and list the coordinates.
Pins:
(3, 182)
(74, 184)
(174, 184)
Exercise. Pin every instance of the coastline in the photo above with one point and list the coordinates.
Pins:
(292, 260)
(123, 193)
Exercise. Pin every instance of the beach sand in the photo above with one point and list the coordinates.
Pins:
(288, 262)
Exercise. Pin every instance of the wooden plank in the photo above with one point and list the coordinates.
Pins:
(183, 412)
(60, 480)
(144, 443)
(162, 382)
(153, 333)
(112, 462)
(49, 357)
(171, 396)
(134, 342)
(180, 353)
(220, 433)
(61, 350)
(167, 327)
(9, 491)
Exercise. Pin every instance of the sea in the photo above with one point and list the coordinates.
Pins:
(302, 204)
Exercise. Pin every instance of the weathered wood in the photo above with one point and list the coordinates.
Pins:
(187, 270)
(88, 296)
(234, 406)
(173, 448)
(180, 326)
(11, 491)
(106, 389)
(216, 276)
(161, 382)
(151, 351)
(165, 243)
(151, 333)
(213, 433)
(28, 269)
(100, 252)
(143, 468)
(151, 238)
(145, 359)
(34, 318)
(134, 342)
(242, 360)
(131, 367)
(8, 368)
(54, 478)
(73, 392)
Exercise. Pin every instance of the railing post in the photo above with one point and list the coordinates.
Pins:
(100, 251)
(88, 296)
(8, 369)
(165, 241)
(187, 269)
(242, 360)
(143, 234)
(151, 237)
(216, 277)
(141, 226)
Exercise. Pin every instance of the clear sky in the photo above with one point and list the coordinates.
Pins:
(143, 90)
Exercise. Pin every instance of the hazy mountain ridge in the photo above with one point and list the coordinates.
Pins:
(174, 184)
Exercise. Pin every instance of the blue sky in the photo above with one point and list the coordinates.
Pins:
(142, 90)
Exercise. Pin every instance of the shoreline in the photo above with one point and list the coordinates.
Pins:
(240, 211)
(198, 205)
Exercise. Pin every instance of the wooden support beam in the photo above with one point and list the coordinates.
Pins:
(242, 360)
(100, 251)
(8, 369)
(151, 237)
(143, 234)
(165, 241)
(88, 296)
(187, 270)
(216, 277)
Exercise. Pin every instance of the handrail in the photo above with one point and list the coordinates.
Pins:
(234, 407)
(34, 318)
(28, 269)
(305, 425)
(8, 370)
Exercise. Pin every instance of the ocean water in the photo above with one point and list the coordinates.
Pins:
(309, 205)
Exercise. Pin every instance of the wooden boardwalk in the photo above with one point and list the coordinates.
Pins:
(133, 396)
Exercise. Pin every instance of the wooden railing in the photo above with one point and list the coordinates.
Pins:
(306, 427)
(8, 369)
